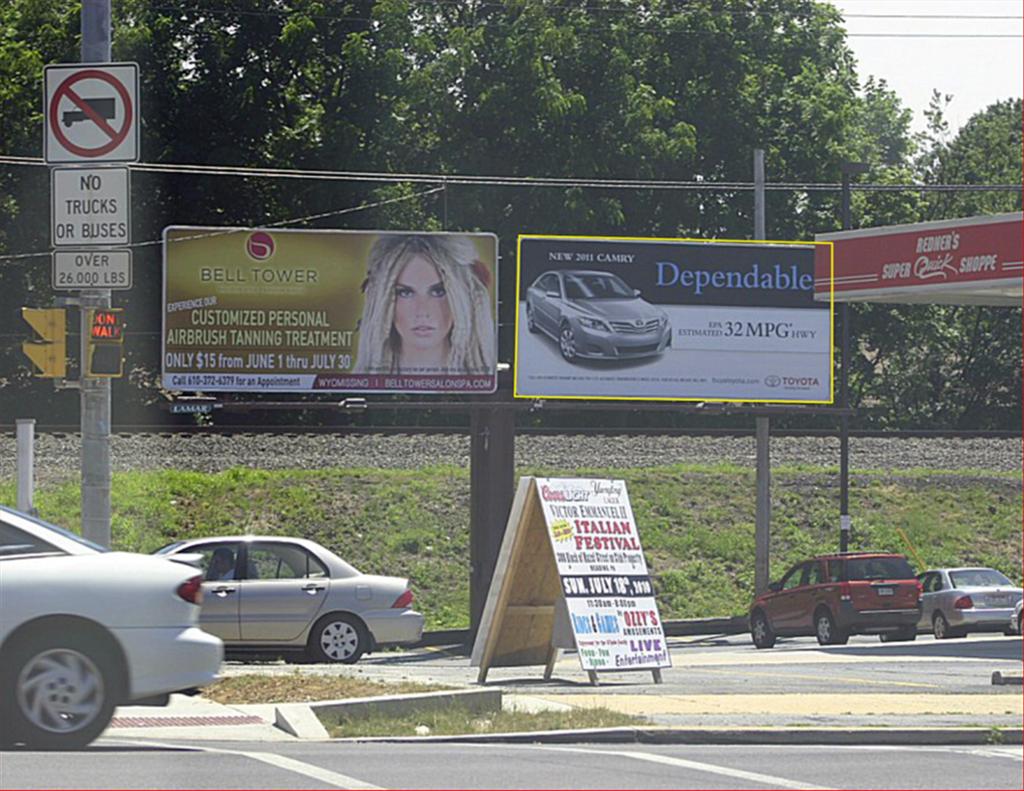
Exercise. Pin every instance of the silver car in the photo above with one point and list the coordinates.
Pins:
(595, 315)
(291, 594)
(961, 600)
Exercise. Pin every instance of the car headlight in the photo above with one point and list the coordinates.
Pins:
(594, 324)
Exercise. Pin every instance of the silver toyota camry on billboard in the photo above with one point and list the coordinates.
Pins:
(595, 315)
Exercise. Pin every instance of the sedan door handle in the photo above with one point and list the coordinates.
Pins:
(224, 590)
(312, 588)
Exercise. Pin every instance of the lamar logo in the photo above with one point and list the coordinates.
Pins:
(773, 380)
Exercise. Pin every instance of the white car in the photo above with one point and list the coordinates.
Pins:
(291, 594)
(84, 630)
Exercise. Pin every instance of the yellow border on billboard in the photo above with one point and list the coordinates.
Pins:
(831, 317)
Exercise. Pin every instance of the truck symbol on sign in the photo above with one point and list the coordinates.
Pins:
(104, 108)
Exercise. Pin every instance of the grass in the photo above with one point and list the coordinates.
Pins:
(300, 687)
(454, 721)
(696, 521)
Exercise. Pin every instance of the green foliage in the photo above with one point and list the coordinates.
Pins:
(696, 522)
(658, 90)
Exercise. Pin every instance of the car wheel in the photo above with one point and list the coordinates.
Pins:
(826, 631)
(761, 631)
(567, 343)
(338, 638)
(531, 321)
(58, 691)
(941, 628)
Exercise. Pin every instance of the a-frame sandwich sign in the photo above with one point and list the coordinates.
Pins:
(571, 574)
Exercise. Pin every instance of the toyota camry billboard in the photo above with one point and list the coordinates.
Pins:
(271, 310)
(670, 319)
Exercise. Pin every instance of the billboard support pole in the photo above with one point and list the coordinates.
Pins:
(95, 393)
(847, 169)
(491, 489)
(763, 509)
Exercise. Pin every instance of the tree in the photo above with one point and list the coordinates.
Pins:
(924, 366)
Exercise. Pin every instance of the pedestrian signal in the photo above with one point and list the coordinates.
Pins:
(104, 354)
(49, 352)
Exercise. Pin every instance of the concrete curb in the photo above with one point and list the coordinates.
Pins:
(823, 736)
(300, 721)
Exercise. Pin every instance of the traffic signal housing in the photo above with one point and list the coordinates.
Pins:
(49, 353)
(104, 352)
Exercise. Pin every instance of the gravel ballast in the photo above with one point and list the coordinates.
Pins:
(57, 456)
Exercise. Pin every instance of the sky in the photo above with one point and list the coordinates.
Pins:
(976, 71)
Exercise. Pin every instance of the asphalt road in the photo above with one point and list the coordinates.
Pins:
(887, 681)
(359, 765)
(722, 664)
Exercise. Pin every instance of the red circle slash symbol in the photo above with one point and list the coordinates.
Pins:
(117, 136)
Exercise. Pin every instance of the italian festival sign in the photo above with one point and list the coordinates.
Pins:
(607, 589)
(272, 310)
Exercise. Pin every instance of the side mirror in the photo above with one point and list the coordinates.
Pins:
(775, 587)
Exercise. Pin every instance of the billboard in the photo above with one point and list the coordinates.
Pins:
(272, 310)
(670, 319)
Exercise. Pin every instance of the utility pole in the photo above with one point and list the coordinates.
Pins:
(847, 169)
(95, 392)
(763, 509)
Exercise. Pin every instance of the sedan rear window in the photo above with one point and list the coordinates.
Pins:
(878, 569)
(978, 578)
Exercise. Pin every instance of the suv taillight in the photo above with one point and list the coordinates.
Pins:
(964, 603)
(403, 601)
(844, 591)
(192, 590)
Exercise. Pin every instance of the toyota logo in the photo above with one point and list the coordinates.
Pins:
(773, 380)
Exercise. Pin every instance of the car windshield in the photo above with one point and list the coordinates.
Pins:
(168, 548)
(596, 286)
(43, 536)
(878, 569)
(977, 578)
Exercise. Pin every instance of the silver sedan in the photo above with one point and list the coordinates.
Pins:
(961, 600)
(291, 594)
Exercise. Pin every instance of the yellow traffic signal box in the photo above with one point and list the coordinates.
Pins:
(49, 354)
(104, 355)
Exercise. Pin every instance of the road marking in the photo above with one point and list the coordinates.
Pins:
(280, 761)
(302, 768)
(699, 766)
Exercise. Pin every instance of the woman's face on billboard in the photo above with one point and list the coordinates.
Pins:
(423, 317)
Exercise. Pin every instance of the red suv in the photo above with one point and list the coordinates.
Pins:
(834, 596)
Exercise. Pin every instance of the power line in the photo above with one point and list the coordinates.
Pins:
(277, 224)
(452, 179)
(644, 25)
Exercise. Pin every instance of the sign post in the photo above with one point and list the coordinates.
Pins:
(91, 117)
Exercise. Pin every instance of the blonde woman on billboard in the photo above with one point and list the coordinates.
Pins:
(428, 308)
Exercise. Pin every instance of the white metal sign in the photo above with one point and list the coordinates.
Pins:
(91, 112)
(86, 269)
(90, 207)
